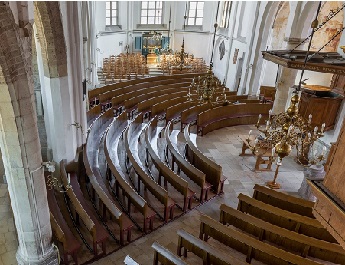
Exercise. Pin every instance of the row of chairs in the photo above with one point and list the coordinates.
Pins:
(123, 66)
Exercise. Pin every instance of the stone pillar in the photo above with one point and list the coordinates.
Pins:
(286, 79)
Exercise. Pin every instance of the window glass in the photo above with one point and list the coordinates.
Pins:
(151, 12)
(195, 13)
(111, 13)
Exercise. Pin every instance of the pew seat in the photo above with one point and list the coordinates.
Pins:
(165, 257)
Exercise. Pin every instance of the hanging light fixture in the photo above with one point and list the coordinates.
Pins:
(289, 129)
(207, 89)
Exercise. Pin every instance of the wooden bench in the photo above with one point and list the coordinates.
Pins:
(283, 201)
(230, 115)
(83, 212)
(145, 106)
(161, 107)
(61, 230)
(141, 102)
(298, 243)
(173, 112)
(182, 164)
(164, 171)
(132, 156)
(213, 171)
(90, 159)
(165, 257)
(110, 148)
(251, 247)
(208, 253)
(291, 221)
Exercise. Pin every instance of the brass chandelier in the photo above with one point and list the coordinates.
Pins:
(207, 89)
(285, 131)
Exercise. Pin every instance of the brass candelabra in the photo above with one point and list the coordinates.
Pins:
(288, 130)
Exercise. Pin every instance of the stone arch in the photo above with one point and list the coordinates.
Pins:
(51, 37)
(19, 143)
(257, 60)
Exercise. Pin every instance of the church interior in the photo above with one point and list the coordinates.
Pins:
(133, 130)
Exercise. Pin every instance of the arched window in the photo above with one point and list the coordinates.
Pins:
(195, 13)
(151, 12)
(111, 14)
(226, 14)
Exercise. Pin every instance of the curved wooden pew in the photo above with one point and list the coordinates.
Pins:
(132, 156)
(118, 101)
(298, 243)
(209, 254)
(253, 248)
(283, 201)
(161, 107)
(117, 127)
(83, 212)
(193, 173)
(230, 115)
(145, 106)
(291, 221)
(164, 256)
(213, 171)
(90, 154)
(61, 230)
(175, 111)
(164, 171)
(127, 86)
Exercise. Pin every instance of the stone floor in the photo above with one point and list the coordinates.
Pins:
(223, 146)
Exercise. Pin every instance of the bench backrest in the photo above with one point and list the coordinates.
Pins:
(166, 257)
(242, 242)
(291, 221)
(193, 173)
(283, 201)
(212, 170)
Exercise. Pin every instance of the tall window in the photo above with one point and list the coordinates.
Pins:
(226, 14)
(151, 12)
(195, 13)
(111, 13)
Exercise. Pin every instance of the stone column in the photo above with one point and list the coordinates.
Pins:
(286, 79)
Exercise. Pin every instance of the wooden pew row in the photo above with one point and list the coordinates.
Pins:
(182, 164)
(90, 158)
(61, 230)
(161, 107)
(173, 112)
(164, 171)
(283, 201)
(83, 212)
(118, 101)
(132, 156)
(213, 171)
(165, 257)
(145, 106)
(139, 101)
(208, 253)
(157, 80)
(298, 243)
(291, 221)
(127, 87)
(111, 142)
(253, 248)
(92, 114)
(236, 114)
(190, 115)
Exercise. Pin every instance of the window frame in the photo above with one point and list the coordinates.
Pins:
(225, 21)
(195, 17)
(155, 16)
(111, 13)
